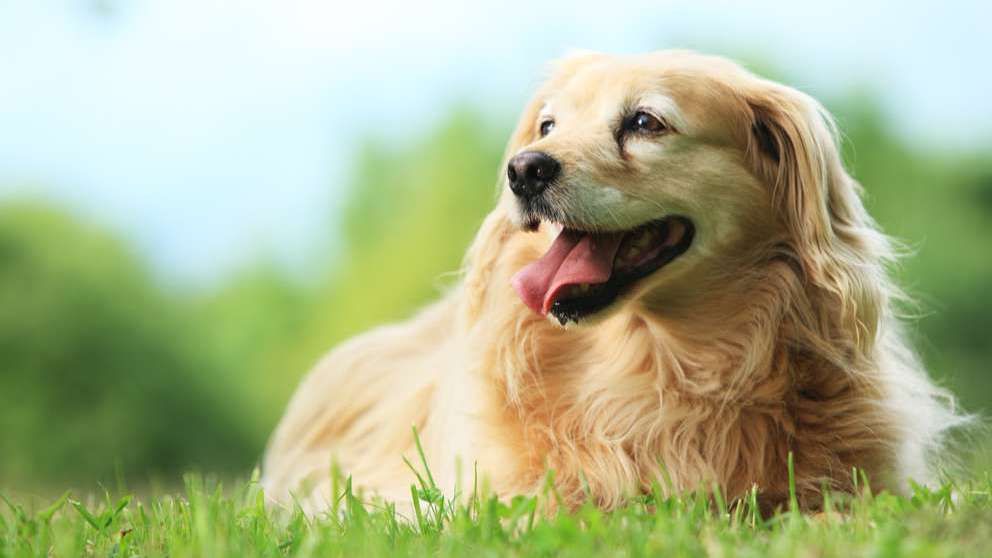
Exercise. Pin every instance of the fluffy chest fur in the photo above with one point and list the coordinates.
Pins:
(682, 402)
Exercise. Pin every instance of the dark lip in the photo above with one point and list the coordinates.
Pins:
(576, 308)
(538, 209)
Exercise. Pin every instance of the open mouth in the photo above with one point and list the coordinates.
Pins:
(584, 272)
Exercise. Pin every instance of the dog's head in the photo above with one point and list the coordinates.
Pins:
(651, 172)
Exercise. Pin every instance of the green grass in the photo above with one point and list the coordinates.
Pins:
(207, 520)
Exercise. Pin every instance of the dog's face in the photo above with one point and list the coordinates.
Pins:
(647, 171)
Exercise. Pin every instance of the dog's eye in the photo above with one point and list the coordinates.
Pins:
(645, 123)
(546, 127)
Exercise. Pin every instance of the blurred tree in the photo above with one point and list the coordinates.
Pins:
(932, 202)
(248, 324)
(100, 370)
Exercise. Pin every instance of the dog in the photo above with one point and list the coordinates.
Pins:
(679, 286)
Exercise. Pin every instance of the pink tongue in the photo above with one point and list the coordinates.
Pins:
(574, 258)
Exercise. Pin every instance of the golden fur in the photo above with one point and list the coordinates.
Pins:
(776, 332)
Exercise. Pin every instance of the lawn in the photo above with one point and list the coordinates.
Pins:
(207, 519)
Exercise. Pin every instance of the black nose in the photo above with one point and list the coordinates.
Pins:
(530, 173)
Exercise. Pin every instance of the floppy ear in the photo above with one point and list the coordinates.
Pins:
(791, 144)
(793, 147)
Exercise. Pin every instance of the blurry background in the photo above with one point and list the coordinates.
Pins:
(199, 198)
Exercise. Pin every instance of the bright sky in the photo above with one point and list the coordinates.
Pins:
(211, 132)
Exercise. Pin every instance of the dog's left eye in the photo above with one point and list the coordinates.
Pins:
(645, 123)
(546, 127)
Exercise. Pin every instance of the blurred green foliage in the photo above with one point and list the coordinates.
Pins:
(104, 368)
(100, 368)
(939, 205)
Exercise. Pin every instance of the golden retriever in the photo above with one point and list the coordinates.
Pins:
(679, 281)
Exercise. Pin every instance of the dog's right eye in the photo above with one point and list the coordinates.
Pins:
(546, 127)
(642, 122)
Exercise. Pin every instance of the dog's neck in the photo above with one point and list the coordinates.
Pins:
(617, 390)
(742, 349)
